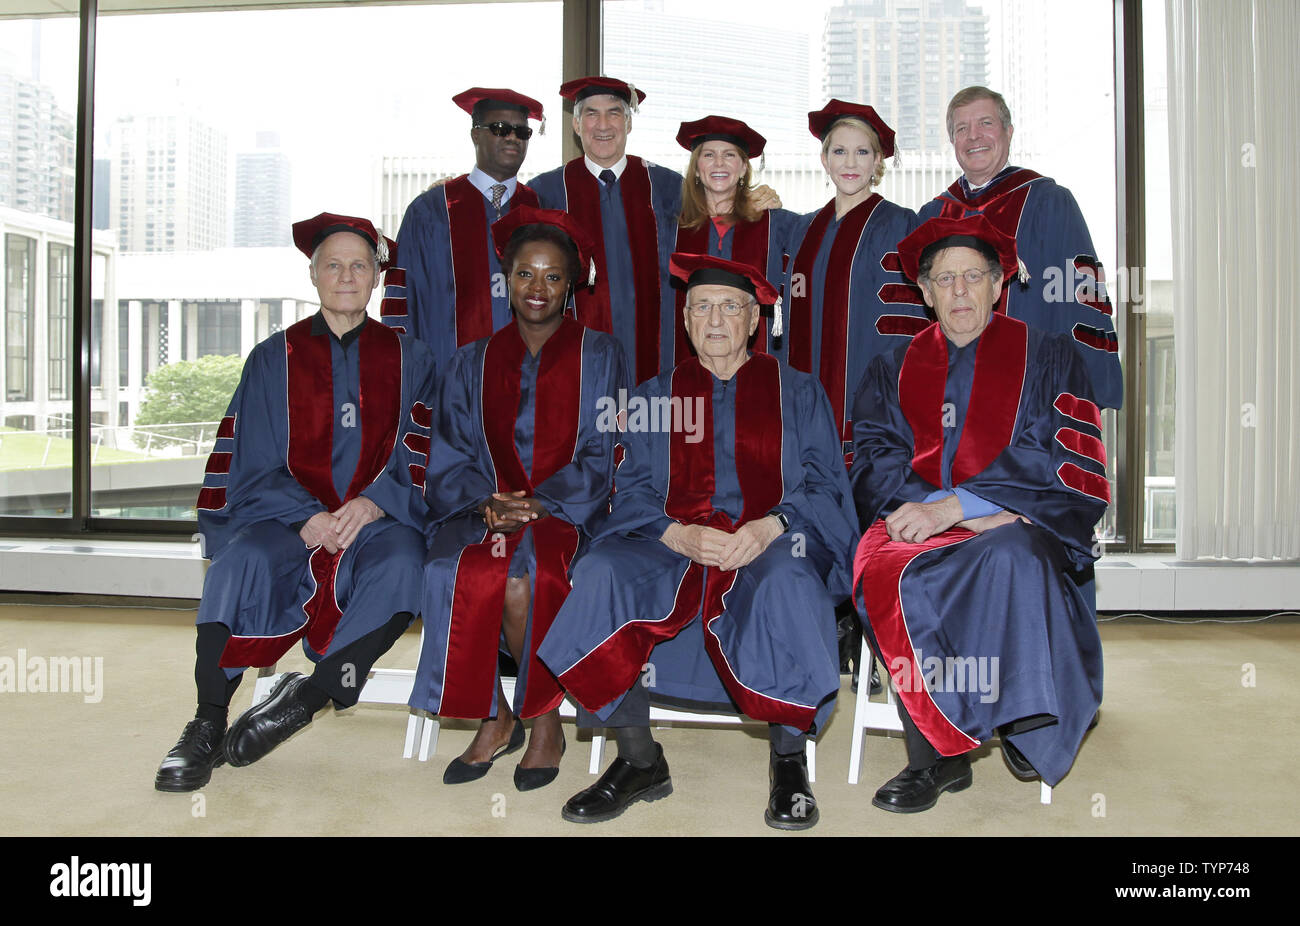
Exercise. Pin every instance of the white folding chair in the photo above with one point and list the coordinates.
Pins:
(883, 715)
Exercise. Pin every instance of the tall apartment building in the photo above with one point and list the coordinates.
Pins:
(169, 183)
(38, 143)
(262, 180)
(906, 58)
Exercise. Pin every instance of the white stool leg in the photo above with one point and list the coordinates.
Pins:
(1044, 793)
(597, 751)
(413, 724)
(429, 741)
(266, 679)
(859, 711)
(810, 752)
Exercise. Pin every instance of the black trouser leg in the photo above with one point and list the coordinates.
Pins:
(631, 725)
(341, 675)
(214, 689)
(785, 743)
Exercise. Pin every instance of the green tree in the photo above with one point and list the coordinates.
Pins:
(184, 400)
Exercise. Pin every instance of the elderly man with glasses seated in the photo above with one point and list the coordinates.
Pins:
(978, 474)
(708, 581)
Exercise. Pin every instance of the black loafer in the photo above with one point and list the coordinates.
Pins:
(790, 802)
(1016, 761)
(530, 779)
(459, 771)
(269, 724)
(189, 764)
(622, 784)
(914, 791)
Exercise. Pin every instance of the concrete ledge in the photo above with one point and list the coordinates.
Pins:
(170, 569)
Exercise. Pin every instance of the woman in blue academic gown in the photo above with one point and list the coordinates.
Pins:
(846, 298)
(722, 216)
(521, 469)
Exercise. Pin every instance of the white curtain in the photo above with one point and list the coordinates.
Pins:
(1234, 152)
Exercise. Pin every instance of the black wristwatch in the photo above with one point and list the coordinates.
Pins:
(780, 516)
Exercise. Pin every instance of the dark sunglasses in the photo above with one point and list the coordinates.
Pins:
(503, 130)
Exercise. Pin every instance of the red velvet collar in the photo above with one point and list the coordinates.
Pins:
(1000, 359)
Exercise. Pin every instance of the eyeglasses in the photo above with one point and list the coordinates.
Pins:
(730, 309)
(504, 129)
(972, 278)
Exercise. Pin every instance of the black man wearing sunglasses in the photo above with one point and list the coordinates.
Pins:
(447, 288)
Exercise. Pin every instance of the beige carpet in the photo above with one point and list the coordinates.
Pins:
(1183, 748)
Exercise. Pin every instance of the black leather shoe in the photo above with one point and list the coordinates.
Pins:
(622, 784)
(530, 779)
(260, 729)
(914, 791)
(189, 764)
(1016, 761)
(790, 803)
(459, 771)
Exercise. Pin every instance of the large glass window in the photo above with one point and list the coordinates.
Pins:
(199, 166)
(204, 166)
(38, 96)
(1156, 289)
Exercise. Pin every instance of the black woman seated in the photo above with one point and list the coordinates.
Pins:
(520, 468)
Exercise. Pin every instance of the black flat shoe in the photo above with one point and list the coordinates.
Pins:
(914, 791)
(790, 803)
(621, 785)
(458, 772)
(188, 765)
(266, 726)
(530, 779)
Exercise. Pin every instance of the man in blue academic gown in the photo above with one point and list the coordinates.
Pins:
(1065, 290)
(730, 521)
(312, 509)
(630, 207)
(978, 475)
(448, 289)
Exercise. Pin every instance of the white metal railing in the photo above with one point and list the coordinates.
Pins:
(154, 441)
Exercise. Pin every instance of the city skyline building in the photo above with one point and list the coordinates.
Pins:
(37, 148)
(169, 183)
(263, 181)
(906, 58)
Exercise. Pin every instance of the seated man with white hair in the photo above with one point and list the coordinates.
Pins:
(312, 509)
(729, 524)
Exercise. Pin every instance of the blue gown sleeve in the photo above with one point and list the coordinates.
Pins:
(258, 485)
(424, 255)
(637, 505)
(459, 473)
(1073, 300)
(549, 188)
(580, 491)
(396, 490)
(1047, 473)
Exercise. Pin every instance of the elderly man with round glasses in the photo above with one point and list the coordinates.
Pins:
(979, 475)
(730, 519)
